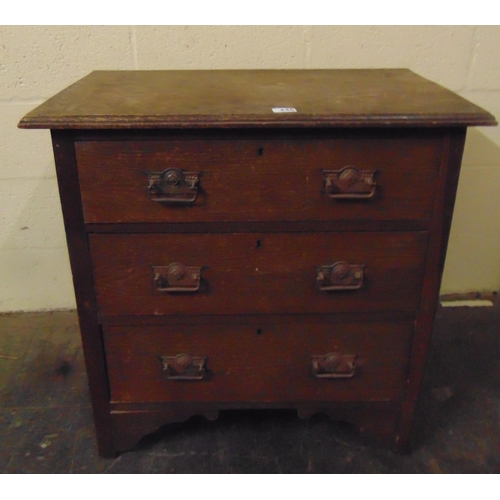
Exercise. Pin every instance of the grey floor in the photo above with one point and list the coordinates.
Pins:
(46, 423)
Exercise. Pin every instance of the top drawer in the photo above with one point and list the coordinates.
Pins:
(293, 177)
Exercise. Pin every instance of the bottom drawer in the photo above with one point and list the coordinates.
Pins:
(258, 362)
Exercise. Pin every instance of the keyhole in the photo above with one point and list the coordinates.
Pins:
(259, 331)
(260, 151)
(258, 244)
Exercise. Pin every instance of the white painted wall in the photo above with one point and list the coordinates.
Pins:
(38, 61)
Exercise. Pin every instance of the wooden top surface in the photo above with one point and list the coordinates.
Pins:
(246, 98)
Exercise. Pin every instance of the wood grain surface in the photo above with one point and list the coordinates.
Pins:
(246, 98)
(248, 273)
(258, 362)
(278, 178)
(260, 227)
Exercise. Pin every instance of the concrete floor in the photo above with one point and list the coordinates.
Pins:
(46, 423)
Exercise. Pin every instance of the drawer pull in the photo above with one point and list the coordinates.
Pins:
(333, 365)
(173, 186)
(340, 276)
(184, 367)
(177, 278)
(349, 183)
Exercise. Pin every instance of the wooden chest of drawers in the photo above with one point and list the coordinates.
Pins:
(256, 239)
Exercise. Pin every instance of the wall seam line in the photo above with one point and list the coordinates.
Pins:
(133, 43)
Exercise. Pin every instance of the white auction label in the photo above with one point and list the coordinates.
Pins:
(284, 110)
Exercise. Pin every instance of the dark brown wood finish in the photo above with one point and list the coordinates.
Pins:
(376, 419)
(258, 362)
(259, 227)
(440, 229)
(259, 332)
(67, 177)
(263, 179)
(243, 319)
(248, 273)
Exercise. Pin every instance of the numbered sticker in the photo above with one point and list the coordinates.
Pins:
(284, 110)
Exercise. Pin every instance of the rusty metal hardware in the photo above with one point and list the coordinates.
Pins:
(177, 277)
(184, 367)
(340, 276)
(173, 186)
(333, 365)
(350, 183)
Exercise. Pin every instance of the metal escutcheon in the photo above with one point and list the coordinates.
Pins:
(184, 367)
(340, 276)
(350, 183)
(173, 186)
(333, 365)
(177, 277)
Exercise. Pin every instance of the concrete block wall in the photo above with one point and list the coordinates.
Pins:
(38, 61)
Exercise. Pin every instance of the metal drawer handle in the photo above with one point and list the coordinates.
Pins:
(350, 183)
(173, 186)
(340, 276)
(184, 367)
(177, 277)
(333, 365)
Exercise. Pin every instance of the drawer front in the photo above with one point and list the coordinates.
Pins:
(254, 180)
(257, 273)
(272, 362)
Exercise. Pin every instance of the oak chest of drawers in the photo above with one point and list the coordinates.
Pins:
(256, 239)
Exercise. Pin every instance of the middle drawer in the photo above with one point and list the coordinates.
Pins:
(249, 273)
